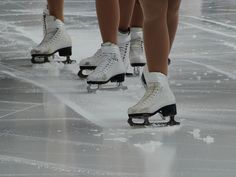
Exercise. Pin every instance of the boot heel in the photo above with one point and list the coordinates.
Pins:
(118, 78)
(65, 52)
(170, 110)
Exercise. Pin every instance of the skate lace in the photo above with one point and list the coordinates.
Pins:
(138, 43)
(105, 65)
(151, 93)
(50, 38)
(44, 24)
(124, 50)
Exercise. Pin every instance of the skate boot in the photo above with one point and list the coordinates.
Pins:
(110, 69)
(137, 54)
(145, 70)
(55, 40)
(158, 99)
(89, 64)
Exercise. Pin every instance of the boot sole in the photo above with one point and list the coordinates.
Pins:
(165, 111)
(138, 64)
(64, 52)
(117, 78)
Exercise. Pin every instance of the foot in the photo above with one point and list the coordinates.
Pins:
(55, 40)
(111, 68)
(158, 98)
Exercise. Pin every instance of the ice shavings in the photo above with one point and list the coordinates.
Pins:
(208, 139)
(197, 135)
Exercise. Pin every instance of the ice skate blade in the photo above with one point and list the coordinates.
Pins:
(44, 58)
(92, 89)
(137, 68)
(133, 74)
(40, 60)
(167, 111)
(68, 61)
(146, 123)
(136, 72)
(118, 78)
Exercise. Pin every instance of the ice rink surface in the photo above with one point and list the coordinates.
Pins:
(51, 127)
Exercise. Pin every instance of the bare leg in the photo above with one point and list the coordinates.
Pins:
(108, 18)
(173, 18)
(126, 11)
(137, 18)
(56, 8)
(131, 14)
(156, 36)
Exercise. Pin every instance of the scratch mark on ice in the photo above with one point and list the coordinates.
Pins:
(230, 75)
(61, 168)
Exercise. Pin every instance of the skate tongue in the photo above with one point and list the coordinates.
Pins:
(136, 29)
(46, 11)
(50, 23)
(59, 23)
(109, 47)
(136, 33)
(53, 24)
(108, 44)
(123, 38)
(152, 77)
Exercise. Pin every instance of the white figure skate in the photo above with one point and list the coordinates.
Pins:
(158, 99)
(110, 69)
(55, 40)
(137, 54)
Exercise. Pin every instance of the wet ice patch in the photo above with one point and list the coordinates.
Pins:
(52, 68)
(98, 134)
(231, 45)
(199, 78)
(194, 36)
(197, 135)
(123, 140)
(9, 73)
(149, 147)
(49, 66)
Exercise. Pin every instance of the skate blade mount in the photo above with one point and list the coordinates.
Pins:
(44, 58)
(119, 79)
(137, 68)
(92, 88)
(142, 120)
(48, 59)
(136, 72)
